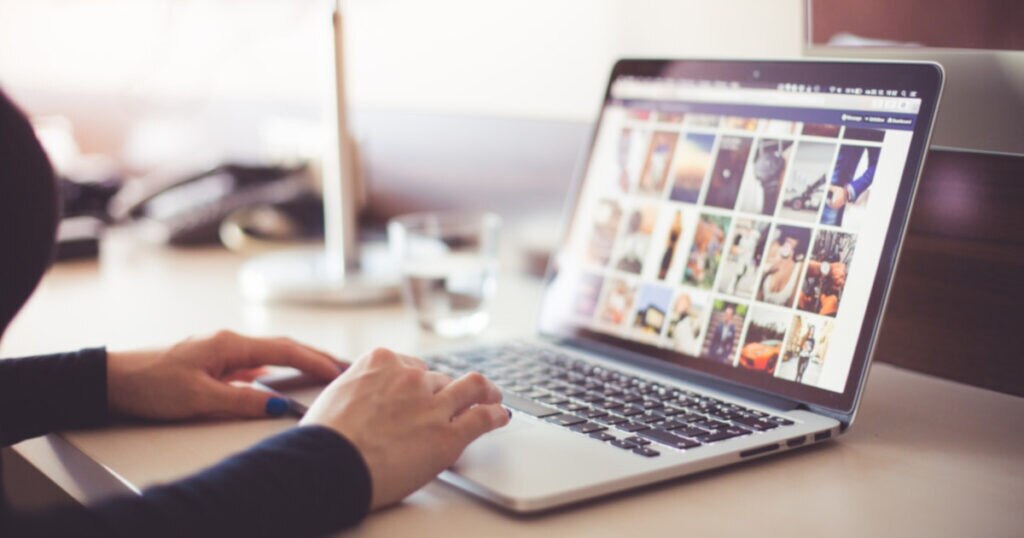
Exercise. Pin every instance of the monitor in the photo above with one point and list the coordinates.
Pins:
(742, 219)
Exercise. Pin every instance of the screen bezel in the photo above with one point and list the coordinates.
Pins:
(925, 78)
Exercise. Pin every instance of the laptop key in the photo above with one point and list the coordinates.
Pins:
(647, 452)
(632, 427)
(721, 435)
(670, 411)
(573, 407)
(588, 427)
(638, 440)
(528, 406)
(622, 443)
(650, 404)
(689, 433)
(610, 405)
(565, 419)
(650, 419)
(610, 420)
(594, 413)
(553, 399)
(673, 425)
(632, 410)
(602, 436)
(668, 439)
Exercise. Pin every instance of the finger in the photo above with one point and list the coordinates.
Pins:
(468, 390)
(243, 401)
(247, 375)
(240, 352)
(437, 381)
(412, 362)
(341, 364)
(479, 420)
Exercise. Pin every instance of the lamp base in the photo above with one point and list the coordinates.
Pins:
(302, 275)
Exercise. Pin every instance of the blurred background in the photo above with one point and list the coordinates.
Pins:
(488, 104)
(184, 84)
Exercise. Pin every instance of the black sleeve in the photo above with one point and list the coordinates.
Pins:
(43, 394)
(304, 482)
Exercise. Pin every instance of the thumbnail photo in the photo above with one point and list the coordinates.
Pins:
(762, 183)
(693, 158)
(636, 239)
(740, 124)
(821, 129)
(607, 216)
(655, 170)
(728, 171)
(652, 308)
(706, 251)
(639, 114)
(783, 262)
(670, 117)
(702, 120)
(586, 295)
(617, 302)
(724, 330)
(742, 257)
(804, 190)
(779, 127)
(867, 135)
(850, 186)
(675, 231)
(686, 322)
(631, 151)
(803, 354)
(762, 345)
(827, 269)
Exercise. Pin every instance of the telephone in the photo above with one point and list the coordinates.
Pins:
(189, 211)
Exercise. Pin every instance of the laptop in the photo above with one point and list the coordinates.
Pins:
(721, 279)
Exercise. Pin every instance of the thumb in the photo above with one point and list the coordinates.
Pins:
(246, 401)
(480, 419)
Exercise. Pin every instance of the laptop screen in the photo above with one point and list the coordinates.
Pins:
(737, 226)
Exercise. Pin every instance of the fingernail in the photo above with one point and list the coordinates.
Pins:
(509, 411)
(277, 407)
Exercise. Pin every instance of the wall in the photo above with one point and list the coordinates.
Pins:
(542, 59)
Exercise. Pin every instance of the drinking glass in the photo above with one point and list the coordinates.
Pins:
(449, 267)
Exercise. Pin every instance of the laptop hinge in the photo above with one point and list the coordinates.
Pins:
(685, 374)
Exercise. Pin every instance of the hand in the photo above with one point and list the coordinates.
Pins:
(408, 423)
(839, 197)
(193, 378)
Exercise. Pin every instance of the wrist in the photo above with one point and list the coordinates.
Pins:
(121, 369)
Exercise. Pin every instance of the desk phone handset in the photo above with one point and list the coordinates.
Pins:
(189, 211)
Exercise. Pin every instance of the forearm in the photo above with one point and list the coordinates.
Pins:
(304, 482)
(42, 394)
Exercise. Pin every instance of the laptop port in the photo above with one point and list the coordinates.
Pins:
(796, 441)
(821, 436)
(759, 450)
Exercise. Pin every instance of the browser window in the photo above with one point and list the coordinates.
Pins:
(741, 225)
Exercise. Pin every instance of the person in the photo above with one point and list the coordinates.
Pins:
(634, 244)
(846, 187)
(723, 339)
(684, 329)
(804, 356)
(379, 431)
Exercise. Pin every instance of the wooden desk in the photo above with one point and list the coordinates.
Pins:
(926, 457)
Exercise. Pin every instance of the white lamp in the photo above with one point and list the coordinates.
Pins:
(343, 271)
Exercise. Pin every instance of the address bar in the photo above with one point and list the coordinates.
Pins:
(630, 89)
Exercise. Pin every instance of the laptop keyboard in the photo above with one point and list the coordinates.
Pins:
(626, 411)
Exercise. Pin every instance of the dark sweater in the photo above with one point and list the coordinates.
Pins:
(304, 482)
